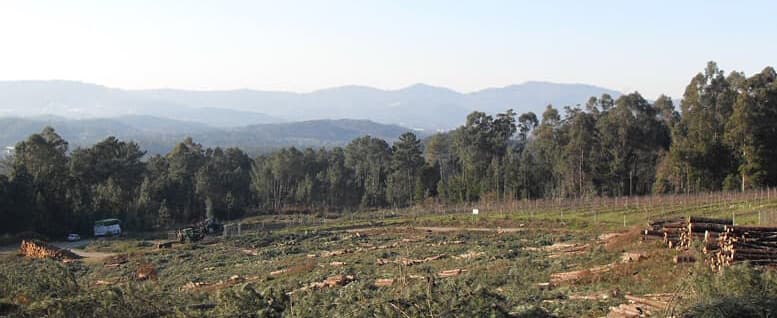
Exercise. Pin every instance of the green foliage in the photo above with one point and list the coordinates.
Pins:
(245, 301)
(739, 291)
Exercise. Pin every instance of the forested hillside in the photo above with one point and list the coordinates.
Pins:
(158, 135)
(723, 137)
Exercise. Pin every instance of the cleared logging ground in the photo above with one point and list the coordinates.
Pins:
(421, 262)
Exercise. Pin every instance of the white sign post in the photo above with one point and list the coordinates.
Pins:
(475, 211)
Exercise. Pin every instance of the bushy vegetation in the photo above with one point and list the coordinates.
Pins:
(738, 291)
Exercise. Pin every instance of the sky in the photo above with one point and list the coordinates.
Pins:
(653, 47)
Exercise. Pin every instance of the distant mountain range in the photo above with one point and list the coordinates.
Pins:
(418, 106)
(158, 135)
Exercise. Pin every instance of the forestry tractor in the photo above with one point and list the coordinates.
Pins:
(198, 231)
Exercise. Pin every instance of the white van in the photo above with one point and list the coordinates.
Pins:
(107, 227)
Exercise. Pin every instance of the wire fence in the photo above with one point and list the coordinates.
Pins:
(749, 207)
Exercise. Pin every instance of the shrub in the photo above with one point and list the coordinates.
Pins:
(738, 291)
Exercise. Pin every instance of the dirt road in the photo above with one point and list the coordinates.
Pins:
(447, 229)
(77, 247)
(470, 229)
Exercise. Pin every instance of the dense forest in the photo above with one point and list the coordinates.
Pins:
(723, 137)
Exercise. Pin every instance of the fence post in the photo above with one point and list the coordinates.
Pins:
(239, 226)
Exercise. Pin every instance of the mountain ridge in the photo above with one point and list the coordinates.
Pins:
(418, 105)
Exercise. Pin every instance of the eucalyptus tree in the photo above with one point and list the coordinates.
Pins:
(751, 132)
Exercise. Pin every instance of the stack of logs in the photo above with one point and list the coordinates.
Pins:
(705, 229)
(647, 305)
(39, 249)
(667, 230)
(722, 241)
(680, 233)
(755, 244)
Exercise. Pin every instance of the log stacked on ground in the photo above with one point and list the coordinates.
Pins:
(39, 249)
(704, 229)
(681, 232)
(755, 244)
(643, 306)
(667, 230)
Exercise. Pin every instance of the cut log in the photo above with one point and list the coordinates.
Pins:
(675, 225)
(384, 282)
(659, 222)
(278, 272)
(632, 257)
(703, 227)
(451, 272)
(684, 259)
(701, 219)
(751, 228)
(656, 304)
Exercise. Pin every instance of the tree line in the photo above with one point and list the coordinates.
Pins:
(723, 137)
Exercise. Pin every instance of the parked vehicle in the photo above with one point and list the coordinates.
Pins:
(107, 227)
(190, 234)
(212, 226)
(198, 231)
(72, 237)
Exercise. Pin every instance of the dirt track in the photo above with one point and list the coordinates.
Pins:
(447, 229)
(470, 229)
(75, 247)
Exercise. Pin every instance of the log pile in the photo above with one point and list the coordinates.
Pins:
(39, 249)
(643, 306)
(667, 230)
(755, 244)
(704, 229)
(680, 233)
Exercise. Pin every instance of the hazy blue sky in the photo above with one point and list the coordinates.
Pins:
(651, 46)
